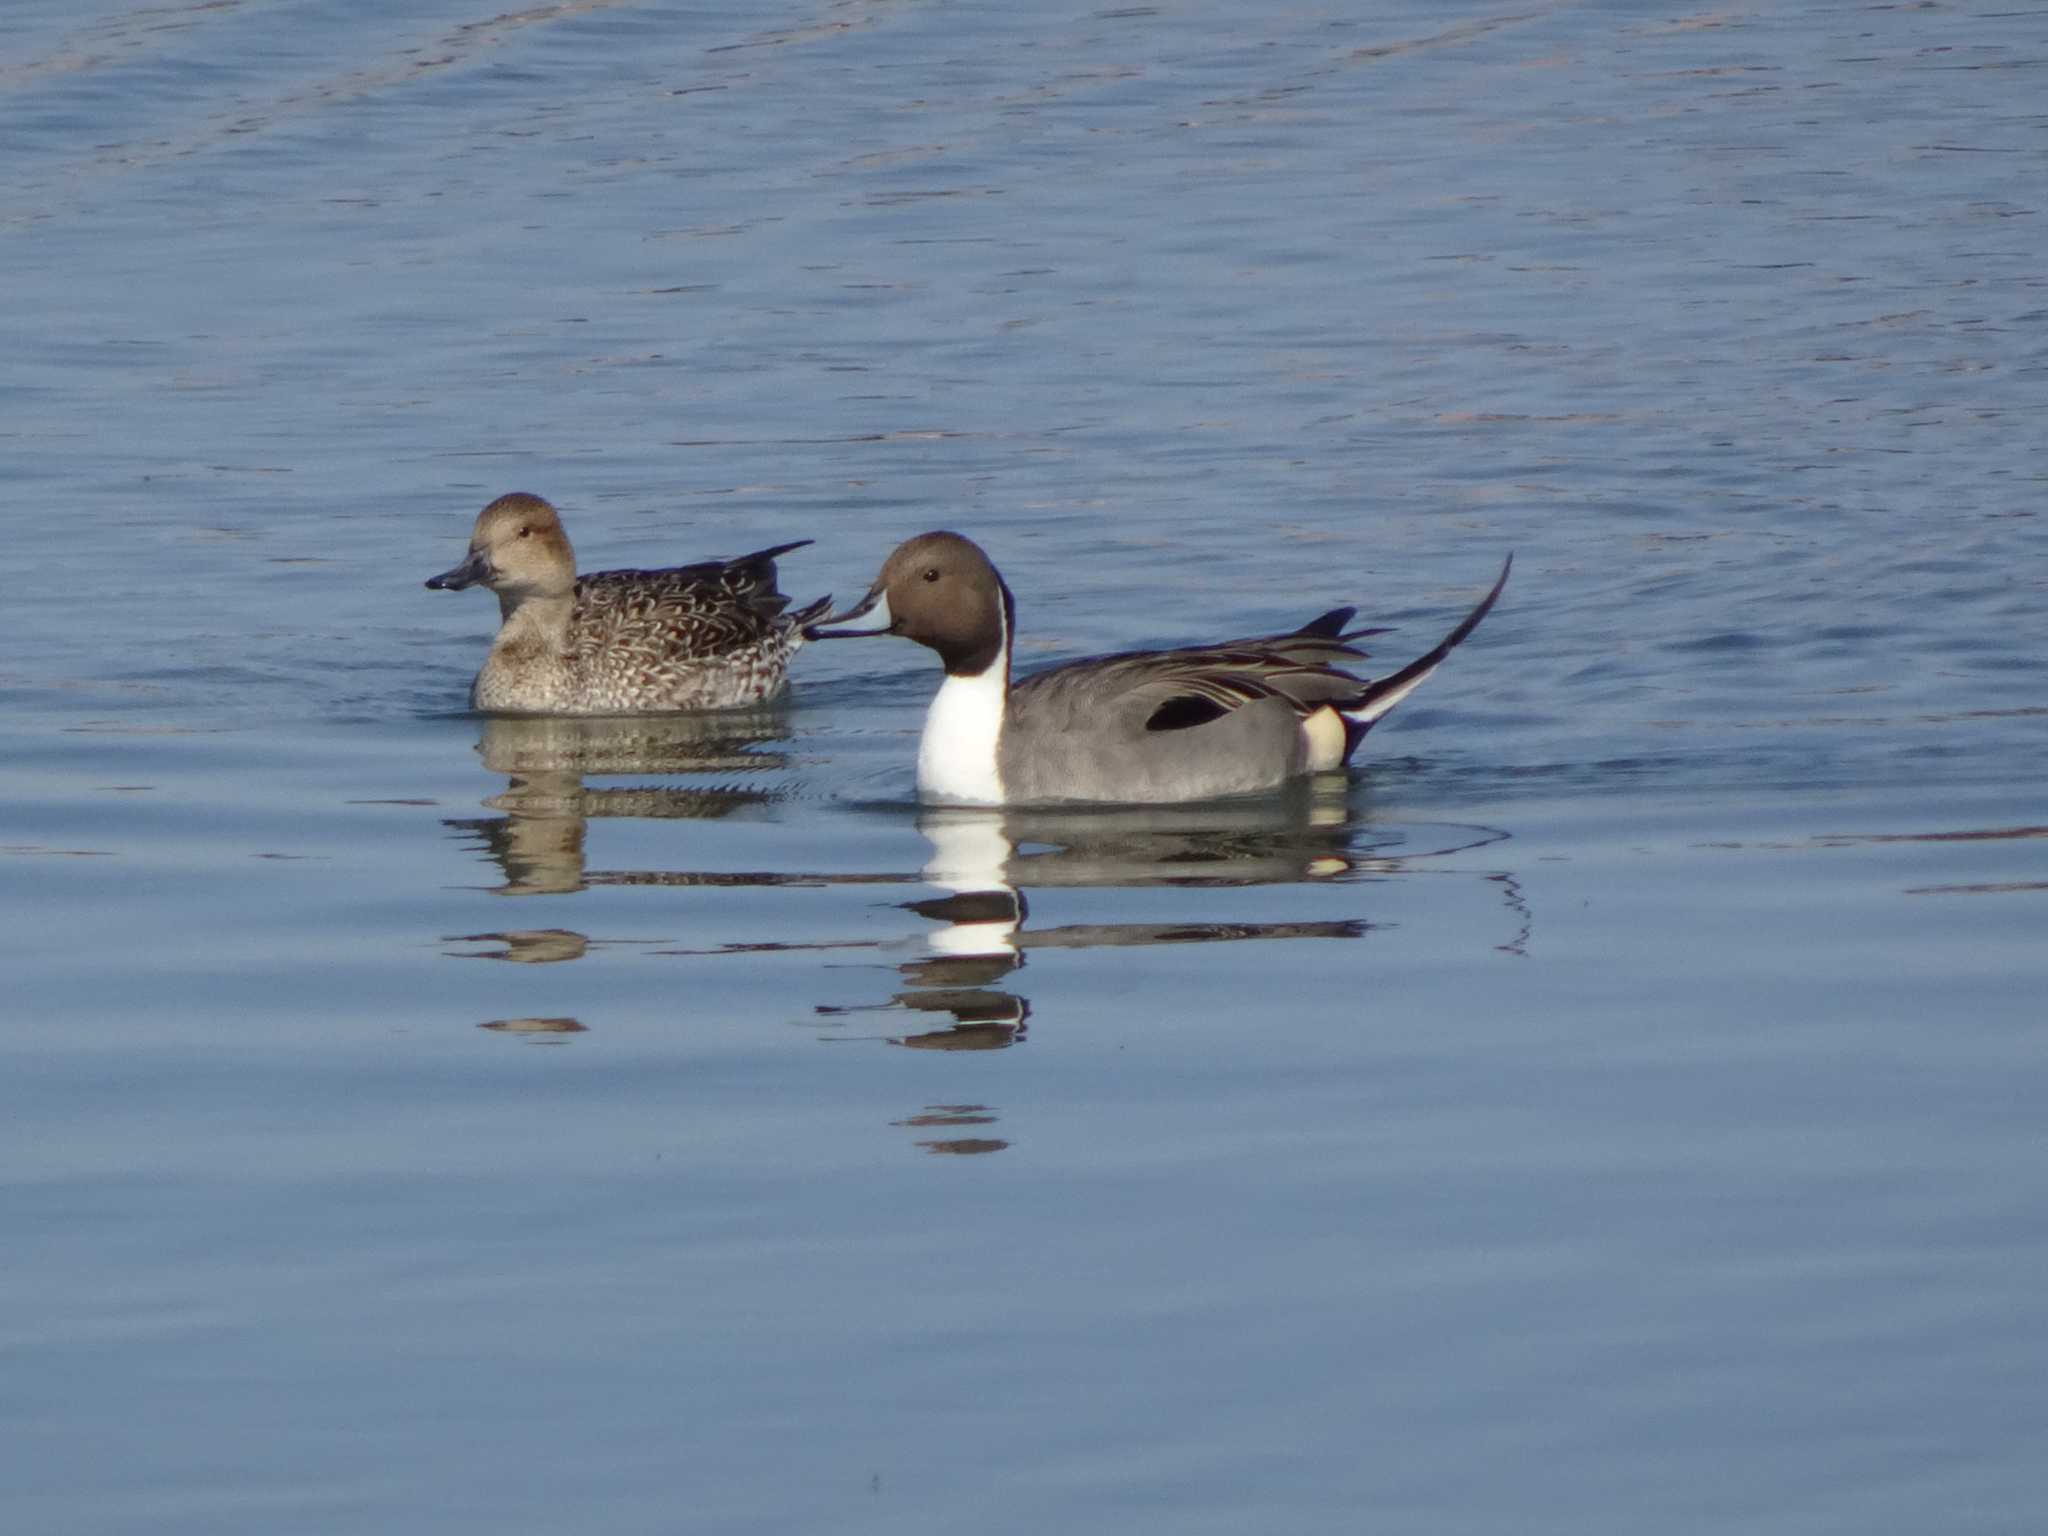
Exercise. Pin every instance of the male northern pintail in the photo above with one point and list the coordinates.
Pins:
(1142, 726)
(621, 642)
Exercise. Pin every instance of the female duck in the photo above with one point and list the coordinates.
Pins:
(621, 642)
(1142, 726)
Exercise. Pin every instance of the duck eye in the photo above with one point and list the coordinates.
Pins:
(524, 532)
(931, 573)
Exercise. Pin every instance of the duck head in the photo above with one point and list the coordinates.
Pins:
(940, 590)
(517, 549)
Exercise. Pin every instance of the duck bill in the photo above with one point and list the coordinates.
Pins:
(869, 616)
(473, 570)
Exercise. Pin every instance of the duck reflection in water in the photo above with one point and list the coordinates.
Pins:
(983, 860)
(949, 1117)
(537, 1031)
(538, 843)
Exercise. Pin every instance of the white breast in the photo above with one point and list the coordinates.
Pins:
(956, 760)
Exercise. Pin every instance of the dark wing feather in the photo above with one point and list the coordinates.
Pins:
(1178, 690)
(1183, 689)
(699, 610)
(1185, 711)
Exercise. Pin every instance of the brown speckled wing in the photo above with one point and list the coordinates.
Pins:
(684, 611)
(698, 636)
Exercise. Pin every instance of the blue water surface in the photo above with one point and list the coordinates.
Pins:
(1613, 1107)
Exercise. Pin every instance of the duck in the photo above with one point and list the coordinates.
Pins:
(688, 637)
(1198, 722)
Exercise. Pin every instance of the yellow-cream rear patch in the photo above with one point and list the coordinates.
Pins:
(1323, 734)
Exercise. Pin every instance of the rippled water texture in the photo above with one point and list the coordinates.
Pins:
(1615, 1108)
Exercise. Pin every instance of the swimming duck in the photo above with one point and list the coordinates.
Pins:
(1140, 726)
(621, 642)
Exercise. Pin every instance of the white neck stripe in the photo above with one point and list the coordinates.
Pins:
(956, 759)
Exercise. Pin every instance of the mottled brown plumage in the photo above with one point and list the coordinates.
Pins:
(701, 636)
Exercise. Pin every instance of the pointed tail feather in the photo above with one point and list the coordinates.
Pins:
(1328, 626)
(761, 556)
(810, 613)
(1382, 694)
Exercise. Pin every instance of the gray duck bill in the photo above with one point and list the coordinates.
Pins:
(874, 608)
(473, 570)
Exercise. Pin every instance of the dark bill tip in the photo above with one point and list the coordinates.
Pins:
(473, 570)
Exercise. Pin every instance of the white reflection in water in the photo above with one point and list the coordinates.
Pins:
(959, 971)
(984, 860)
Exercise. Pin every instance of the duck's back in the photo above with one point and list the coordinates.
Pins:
(686, 611)
(698, 636)
(1122, 729)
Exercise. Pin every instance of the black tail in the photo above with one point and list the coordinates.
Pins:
(1330, 626)
(766, 556)
(1382, 694)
